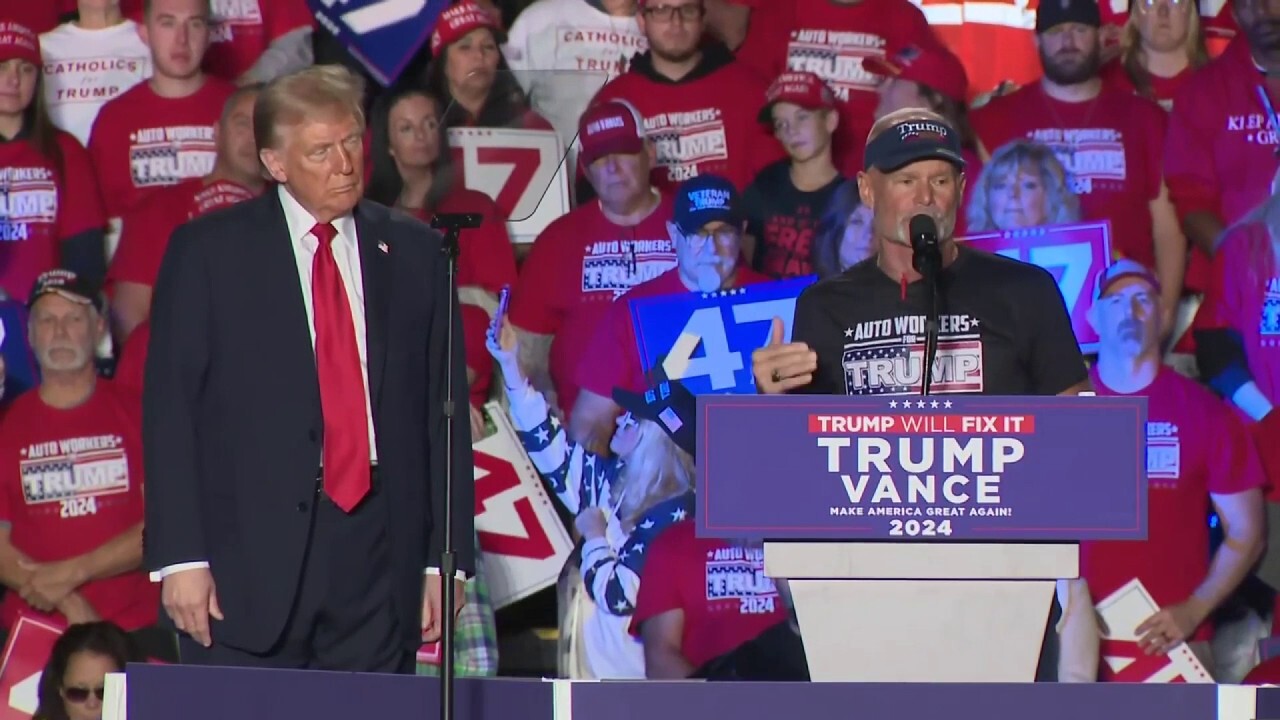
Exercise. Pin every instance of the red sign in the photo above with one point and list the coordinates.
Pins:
(1074, 254)
(25, 655)
(533, 542)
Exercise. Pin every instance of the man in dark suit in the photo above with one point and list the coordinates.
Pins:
(294, 422)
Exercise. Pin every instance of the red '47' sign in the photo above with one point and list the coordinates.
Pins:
(522, 170)
(25, 654)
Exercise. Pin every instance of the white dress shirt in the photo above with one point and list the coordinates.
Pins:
(346, 254)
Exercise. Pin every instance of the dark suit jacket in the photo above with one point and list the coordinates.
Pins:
(232, 424)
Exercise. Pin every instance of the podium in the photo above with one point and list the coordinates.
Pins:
(922, 537)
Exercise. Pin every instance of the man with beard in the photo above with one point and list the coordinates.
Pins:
(1003, 330)
(1003, 326)
(696, 100)
(1110, 141)
(1198, 453)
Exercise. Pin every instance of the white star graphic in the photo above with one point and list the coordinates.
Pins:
(554, 422)
(946, 404)
(542, 435)
(974, 321)
(639, 547)
(678, 515)
(848, 332)
(893, 403)
(591, 461)
(646, 524)
(920, 404)
(620, 605)
(933, 404)
(624, 555)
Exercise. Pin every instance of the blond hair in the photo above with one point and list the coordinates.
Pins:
(1036, 160)
(317, 90)
(656, 470)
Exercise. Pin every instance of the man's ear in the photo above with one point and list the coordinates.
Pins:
(833, 120)
(864, 191)
(272, 163)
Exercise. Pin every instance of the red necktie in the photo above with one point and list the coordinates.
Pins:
(342, 398)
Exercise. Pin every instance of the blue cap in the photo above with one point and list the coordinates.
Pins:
(911, 141)
(705, 199)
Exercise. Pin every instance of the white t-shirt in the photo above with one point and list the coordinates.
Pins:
(83, 69)
(563, 52)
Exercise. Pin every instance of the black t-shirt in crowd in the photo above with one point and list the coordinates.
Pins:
(1003, 330)
(783, 220)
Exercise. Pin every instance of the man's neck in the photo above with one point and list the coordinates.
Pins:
(68, 390)
(815, 173)
(1128, 374)
(91, 19)
(633, 212)
(174, 88)
(894, 259)
(1077, 92)
(1165, 64)
(10, 125)
(673, 70)
(221, 171)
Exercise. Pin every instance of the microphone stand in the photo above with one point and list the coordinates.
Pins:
(928, 261)
(451, 226)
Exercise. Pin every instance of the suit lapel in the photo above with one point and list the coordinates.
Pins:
(375, 268)
(285, 307)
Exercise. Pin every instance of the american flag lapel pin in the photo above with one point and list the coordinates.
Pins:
(383, 247)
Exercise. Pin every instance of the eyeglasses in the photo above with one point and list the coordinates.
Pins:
(1149, 5)
(78, 695)
(723, 235)
(667, 13)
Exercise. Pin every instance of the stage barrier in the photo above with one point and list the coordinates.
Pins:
(164, 692)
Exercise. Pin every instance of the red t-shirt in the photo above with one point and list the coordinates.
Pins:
(702, 126)
(245, 28)
(133, 359)
(615, 360)
(141, 142)
(579, 265)
(831, 40)
(1244, 295)
(475, 323)
(70, 480)
(726, 598)
(1112, 146)
(145, 232)
(485, 256)
(1163, 89)
(43, 204)
(1195, 446)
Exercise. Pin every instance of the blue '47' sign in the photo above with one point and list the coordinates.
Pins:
(706, 339)
(382, 34)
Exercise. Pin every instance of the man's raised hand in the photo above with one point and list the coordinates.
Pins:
(781, 366)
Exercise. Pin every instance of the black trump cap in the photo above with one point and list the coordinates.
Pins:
(911, 141)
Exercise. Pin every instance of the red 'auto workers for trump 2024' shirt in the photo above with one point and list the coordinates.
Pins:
(1112, 146)
(726, 598)
(704, 123)
(141, 142)
(42, 203)
(1195, 446)
(579, 265)
(70, 480)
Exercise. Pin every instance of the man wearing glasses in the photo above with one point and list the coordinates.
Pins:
(706, 227)
(696, 100)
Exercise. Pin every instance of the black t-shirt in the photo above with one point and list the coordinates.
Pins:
(783, 220)
(1003, 330)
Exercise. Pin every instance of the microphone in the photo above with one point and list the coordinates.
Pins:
(926, 258)
(926, 255)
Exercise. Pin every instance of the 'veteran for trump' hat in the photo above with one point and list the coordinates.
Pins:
(705, 199)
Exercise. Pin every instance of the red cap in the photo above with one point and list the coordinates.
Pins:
(928, 64)
(798, 88)
(610, 128)
(1121, 269)
(18, 41)
(459, 20)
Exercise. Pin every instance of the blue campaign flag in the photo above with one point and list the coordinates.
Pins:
(705, 340)
(21, 371)
(382, 34)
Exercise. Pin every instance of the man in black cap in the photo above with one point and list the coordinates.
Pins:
(1003, 328)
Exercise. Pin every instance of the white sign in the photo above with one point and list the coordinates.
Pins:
(1123, 660)
(523, 541)
(524, 171)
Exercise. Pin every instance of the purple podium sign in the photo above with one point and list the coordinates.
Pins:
(1075, 254)
(166, 692)
(903, 468)
(899, 701)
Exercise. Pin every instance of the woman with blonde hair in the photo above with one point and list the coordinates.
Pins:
(1022, 185)
(621, 502)
(1163, 43)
